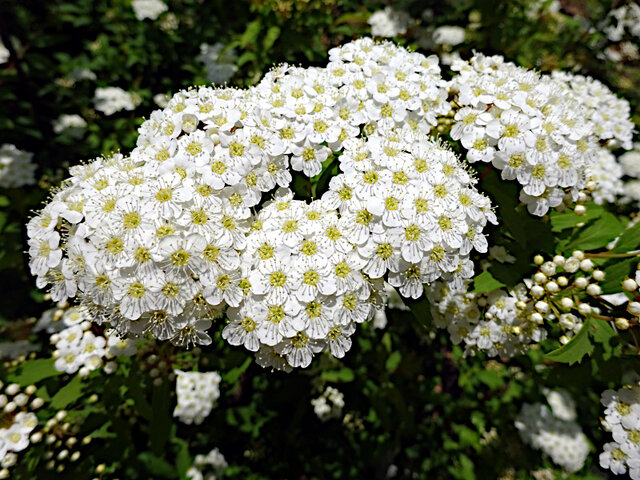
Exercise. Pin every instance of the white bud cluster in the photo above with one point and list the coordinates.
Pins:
(18, 422)
(622, 419)
(16, 167)
(328, 405)
(505, 322)
(78, 349)
(540, 130)
(210, 466)
(110, 100)
(554, 431)
(159, 241)
(196, 394)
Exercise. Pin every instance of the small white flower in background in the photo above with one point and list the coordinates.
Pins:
(150, 9)
(630, 161)
(196, 395)
(161, 99)
(210, 466)
(632, 190)
(4, 53)
(388, 22)
(16, 167)
(110, 100)
(218, 61)
(19, 421)
(622, 420)
(17, 349)
(329, 404)
(624, 19)
(449, 35)
(71, 125)
(500, 254)
(607, 174)
(78, 74)
(551, 431)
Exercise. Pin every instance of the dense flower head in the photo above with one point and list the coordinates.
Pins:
(161, 241)
(16, 167)
(196, 394)
(622, 420)
(540, 130)
(554, 430)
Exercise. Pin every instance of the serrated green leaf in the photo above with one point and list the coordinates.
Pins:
(485, 283)
(573, 352)
(629, 240)
(596, 234)
(615, 273)
(34, 371)
(568, 219)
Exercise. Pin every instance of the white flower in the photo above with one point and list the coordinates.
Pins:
(4, 53)
(449, 35)
(388, 22)
(16, 167)
(71, 125)
(197, 393)
(110, 100)
(150, 9)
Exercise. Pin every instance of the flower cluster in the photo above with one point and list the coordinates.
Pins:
(540, 130)
(18, 422)
(505, 322)
(16, 167)
(71, 125)
(110, 100)
(621, 20)
(554, 430)
(389, 22)
(607, 175)
(207, 467)
(622, 419)
(150, 9)
(328, 405)
(165, 239)
(197, 393)
(78, 349)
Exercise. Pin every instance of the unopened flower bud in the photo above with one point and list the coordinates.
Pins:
(559, 260)
(537, 318)
(580, 210)
(562, 281)
(564, 339)
(586, 265)
(552, 287)
(622, 323)
(594, 290)
(537, 291)
(581, 282)
(548, 268)
(539, 277)
(572, 265)
(629, 284)
(578, 254)
(566, 303)
(584, 308)
(538, 259)
(598, 275)
(542, 307)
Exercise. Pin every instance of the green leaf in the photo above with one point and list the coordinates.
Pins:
(615, 273)
(573, 352)
(629, 240)
(485, 283)
(68, 394)
(270, 38)
(183, 458)
(34, 371)
(568, 219)
(232, 376)
(596, 234)
(393, 361)
(103, 431)
(160, 418)
(421, 309)
(157, 465)
(344, 375)
(250, 36)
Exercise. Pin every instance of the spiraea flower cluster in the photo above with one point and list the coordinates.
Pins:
(79, 349)
(162, 241)
(506, 322)
(197, 393)
(328, 405)
(110, 100)
(606, 177)
(622, 420)
(18, 422)
(540, 130)
(554, 430)
(208, 467)
(16, 167)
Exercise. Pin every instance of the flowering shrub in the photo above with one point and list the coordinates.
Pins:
(432, 250)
